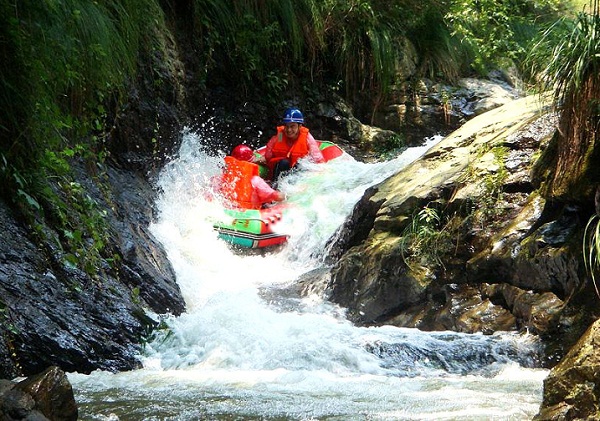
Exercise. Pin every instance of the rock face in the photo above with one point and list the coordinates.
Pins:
(45, 396)
(56, 314)
(571, 388)
(427, 108)
(460, 240)
(56, 311)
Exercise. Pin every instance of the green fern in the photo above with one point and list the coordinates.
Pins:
(426, 238)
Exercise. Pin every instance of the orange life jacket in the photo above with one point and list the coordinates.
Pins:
(281, 149)
(236, 185)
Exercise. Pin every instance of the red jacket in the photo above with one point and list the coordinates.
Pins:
(242, 187)
(280, 147)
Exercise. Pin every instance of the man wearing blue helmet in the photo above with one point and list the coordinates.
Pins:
(292, 142)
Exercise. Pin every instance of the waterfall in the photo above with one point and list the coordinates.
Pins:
(246, 350)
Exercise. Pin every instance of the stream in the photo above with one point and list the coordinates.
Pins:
(248, 350)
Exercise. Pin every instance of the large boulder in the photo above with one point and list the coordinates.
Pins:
(497, 262)
(483, 95)
(57, 313)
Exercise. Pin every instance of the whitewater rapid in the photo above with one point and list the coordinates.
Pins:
(245, 350)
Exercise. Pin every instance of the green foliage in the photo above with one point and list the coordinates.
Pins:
(483, 212)
(267, 48)
(577, 80)
(5, 319)
(493, 185)
(567, 60)
(9, 333)
(65, 67)
(568, 54)
(84, 231)
(65, 61)
(243, 43)
(359, 42)
(161, 332)
(365, 39)
(70, 54)
(433, 232)
(426, 238)
(591, 248)
(499, 33)
(135, 296)
(389, 146)
(442, 55)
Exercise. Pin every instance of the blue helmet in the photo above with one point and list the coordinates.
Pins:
(293, 115)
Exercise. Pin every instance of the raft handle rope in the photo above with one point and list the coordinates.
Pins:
(266, 221)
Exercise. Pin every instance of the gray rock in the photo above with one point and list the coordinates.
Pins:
(570, 390)
(477, 177)
(57, 314)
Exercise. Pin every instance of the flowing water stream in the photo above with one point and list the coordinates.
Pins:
(245, 350)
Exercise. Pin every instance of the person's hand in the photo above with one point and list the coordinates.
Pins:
(280, 197)
(259, 159)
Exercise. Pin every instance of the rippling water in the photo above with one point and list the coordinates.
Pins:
(246, 351)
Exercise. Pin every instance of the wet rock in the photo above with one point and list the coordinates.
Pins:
(53, 313)
(373, 282)
(52, 393)
(484, 316)
(333, 120)
(534, 311)
(485, 95)
(482, 308)
(45, 396)
(356, 228)
(532, 258)
(424, 109)
(17, 405)
(571, 388)
(460, 308)
(478, 176)
(145, 131)
(143, 257)
(470, 313)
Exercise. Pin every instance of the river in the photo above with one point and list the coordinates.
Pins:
(247, 349)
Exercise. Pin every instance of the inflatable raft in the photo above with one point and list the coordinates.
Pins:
(252, 228)
(258, 228)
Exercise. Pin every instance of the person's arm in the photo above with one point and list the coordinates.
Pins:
(269, 148)
(264, 192)
(313, 149)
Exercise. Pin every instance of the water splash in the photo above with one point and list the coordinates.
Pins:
(245, 349)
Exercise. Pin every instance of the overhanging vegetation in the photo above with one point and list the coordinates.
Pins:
(67, 66)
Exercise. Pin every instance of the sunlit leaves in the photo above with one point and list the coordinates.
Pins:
(591, 249)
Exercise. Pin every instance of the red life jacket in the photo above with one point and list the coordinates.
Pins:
(282, 150)
(236, 184)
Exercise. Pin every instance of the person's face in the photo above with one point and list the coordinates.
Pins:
(292, 130)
